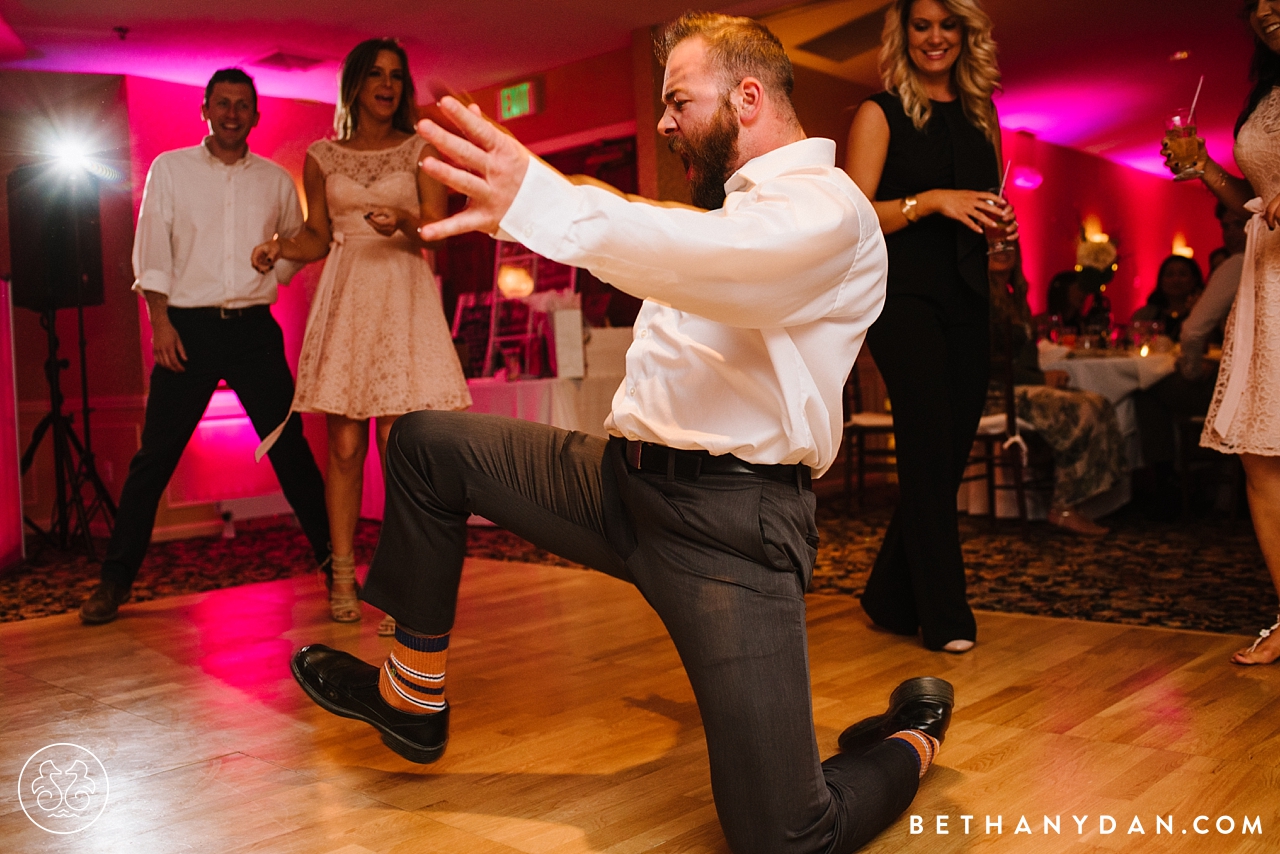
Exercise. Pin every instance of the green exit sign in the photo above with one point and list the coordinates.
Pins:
(518, 100)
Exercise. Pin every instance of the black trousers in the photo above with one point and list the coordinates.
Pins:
(247, 350)
(935, 358)
(723, 559)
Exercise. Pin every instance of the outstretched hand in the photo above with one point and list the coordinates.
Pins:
(485, 164)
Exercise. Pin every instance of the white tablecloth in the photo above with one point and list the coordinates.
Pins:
(569, 404)
(1115, 377)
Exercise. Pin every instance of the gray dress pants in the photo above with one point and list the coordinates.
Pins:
(724, 560)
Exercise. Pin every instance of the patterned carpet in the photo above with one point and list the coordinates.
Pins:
(1203, 574)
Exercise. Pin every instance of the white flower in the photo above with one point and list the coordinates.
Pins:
(1098, 254)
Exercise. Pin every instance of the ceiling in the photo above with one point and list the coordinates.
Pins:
(1097, 75)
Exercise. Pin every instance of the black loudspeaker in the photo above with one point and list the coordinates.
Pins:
(55, 237)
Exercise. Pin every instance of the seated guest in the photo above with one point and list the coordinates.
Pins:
(1216, 257)
(1076, 309)
(1189, 390)
(1079, 426)
(1204, 324)
(1178, 285)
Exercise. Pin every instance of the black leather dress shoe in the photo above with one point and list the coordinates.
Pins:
(343, 684)
(923, 703)
(104, 603)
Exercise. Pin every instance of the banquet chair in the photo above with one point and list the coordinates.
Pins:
(1001, 444)
(858, 426)
(1225, 474)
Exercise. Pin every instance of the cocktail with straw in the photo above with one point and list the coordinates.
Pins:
(998, 235)
(1181, 142)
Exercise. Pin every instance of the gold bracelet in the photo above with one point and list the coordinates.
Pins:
(1221, 180)
(909, 209)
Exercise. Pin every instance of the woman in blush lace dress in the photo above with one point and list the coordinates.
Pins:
(1244, 418)
(377, 345)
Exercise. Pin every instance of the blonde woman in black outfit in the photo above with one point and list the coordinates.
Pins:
(927, 152)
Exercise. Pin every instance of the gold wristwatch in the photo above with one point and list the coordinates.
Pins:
(909, 208)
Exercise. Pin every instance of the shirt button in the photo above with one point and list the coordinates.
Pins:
(632, 391)
(644, 333)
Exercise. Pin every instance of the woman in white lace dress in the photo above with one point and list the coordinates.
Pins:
(1244, 418)
(377, 345)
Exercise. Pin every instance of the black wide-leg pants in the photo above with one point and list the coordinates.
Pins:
(723, 560)
(935, 358)
(247, 350)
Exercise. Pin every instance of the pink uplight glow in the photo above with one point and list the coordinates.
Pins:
(1074, 112)
(1142, 212)
(1027, 178)
(11, 47)
(218, 463)
(11, 551)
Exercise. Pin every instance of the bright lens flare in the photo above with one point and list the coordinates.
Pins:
(75, 158)
(72, 155)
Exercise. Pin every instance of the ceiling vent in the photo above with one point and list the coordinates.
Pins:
(286, 61)
(848, 40)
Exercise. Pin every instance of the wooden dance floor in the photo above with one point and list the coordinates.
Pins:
(575, 730)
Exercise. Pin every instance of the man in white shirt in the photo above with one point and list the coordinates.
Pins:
(1211, 309)
(203, 210)
(753, 316)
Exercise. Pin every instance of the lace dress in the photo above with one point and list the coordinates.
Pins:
(376, 341)
(1244, 417)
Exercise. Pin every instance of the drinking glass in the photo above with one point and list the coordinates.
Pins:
(998, 235)
(1184, 145)
(1049, 328)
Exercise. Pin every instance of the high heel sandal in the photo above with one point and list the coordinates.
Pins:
(344, 607)
(1262, 635)
(1077, 523)
(387, 628)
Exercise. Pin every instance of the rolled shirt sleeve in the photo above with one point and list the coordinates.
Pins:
(152, 244)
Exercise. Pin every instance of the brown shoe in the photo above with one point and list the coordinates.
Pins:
(103, 604)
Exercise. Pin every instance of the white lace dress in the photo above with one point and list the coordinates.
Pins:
(376, 341)
(1244, 417)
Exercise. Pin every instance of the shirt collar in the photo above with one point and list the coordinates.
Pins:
(806, 152)
(239, 164)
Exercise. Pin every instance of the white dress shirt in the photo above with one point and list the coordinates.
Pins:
(199, 222)
(1207, 315)
(753, 314)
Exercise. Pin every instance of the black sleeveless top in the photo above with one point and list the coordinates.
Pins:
(936, 254)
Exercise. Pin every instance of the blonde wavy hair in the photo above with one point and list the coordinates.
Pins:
(975, 72)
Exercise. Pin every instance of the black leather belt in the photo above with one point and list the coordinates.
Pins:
(690, 465)
(217, 312)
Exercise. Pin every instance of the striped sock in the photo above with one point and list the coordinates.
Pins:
(925, 746)
(412, 677)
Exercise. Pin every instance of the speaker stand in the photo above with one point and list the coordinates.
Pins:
(79, 494)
